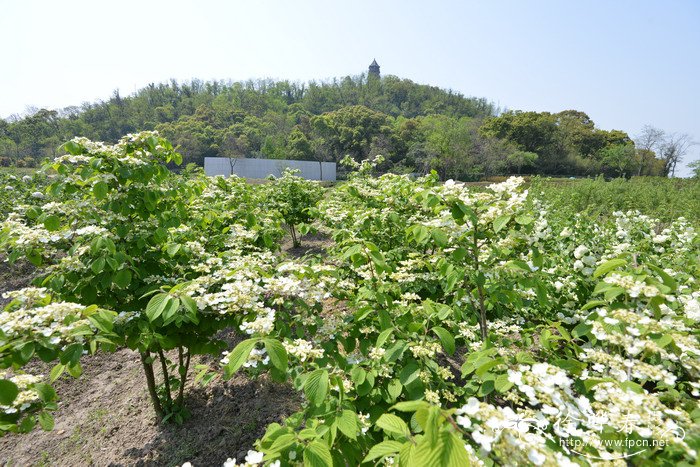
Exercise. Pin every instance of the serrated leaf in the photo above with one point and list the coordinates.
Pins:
(46, 392)
(156, 305)
(171, 308)
(98, 265)
(122, 278)
(383, 449)
(500, 222)
(347, 423)
(100, 189)
(392, 424)
(71, 355)
(409, 406)
(46, 421)
(277, 353)
(173, 248)
(56, 372)
(440, 237)
(52, 223)
(608, 266)
(447, 340)
(8, 392)
(409, 373)
(316, 454)
(239, 356)
(383, 336)
(524, 219)
(316, 386)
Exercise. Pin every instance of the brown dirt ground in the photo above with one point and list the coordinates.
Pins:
(105, 418)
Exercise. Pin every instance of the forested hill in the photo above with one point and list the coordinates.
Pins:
(416, 127)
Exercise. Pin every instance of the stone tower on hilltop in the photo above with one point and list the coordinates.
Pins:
(374, 69)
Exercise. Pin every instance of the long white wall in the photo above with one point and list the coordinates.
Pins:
(262, 168)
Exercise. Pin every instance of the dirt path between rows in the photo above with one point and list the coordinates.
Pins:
(105, 418)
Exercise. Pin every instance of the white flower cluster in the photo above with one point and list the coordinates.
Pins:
(27, 394)
(303, 350)
(633, 287)
(55, 323)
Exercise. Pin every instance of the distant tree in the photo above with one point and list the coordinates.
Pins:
(648, 141)
(618, 160)
(672, 150)
(519, 159)
(350, 130)
(695, 167)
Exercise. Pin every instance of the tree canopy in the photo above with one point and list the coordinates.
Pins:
(416, 127)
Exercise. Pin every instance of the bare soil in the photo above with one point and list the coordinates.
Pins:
(105, 418)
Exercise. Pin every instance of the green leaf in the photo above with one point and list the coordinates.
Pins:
(440, 237)
(385, 448)
(409, 406)
(56, 372)
(593, 304)
(448, 451)
(392, 424)
(500, 222)
(173, 249)
(239, 356)
(189, 304)
(156, 305)
(448, 341)
(316, 454)
(8, 392)
(98, 265)
(347, 423)
(668, 281)
(72, 354)
(581, 329)
(394, 388)
(122, 278)
(46, 421)
(316, 386)
(608, 266)
(524, 219)
(52, 223)
(46, 392)
(409, 373)
(502, 384)
(358, 375)
(277, 353)
(171, 308)
(282, 442)
(100, 190)
(71, 147)
(383, 337)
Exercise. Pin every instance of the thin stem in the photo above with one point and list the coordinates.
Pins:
(483, 325)
(183, 375)
(151, 383)
(166, 378)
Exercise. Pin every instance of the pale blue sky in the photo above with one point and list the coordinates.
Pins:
(625, 63)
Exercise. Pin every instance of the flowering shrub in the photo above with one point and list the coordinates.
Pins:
(294, 198)
(121, 232)
(447, 324)
(477, 327)
(33, 324)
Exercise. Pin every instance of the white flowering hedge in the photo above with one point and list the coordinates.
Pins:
(473, 326)
(446, 325)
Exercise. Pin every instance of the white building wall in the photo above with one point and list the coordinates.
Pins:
(262, 168)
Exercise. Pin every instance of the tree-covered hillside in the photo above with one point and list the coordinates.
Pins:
(417, 128)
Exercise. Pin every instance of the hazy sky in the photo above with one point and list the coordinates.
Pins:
(625, 63)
